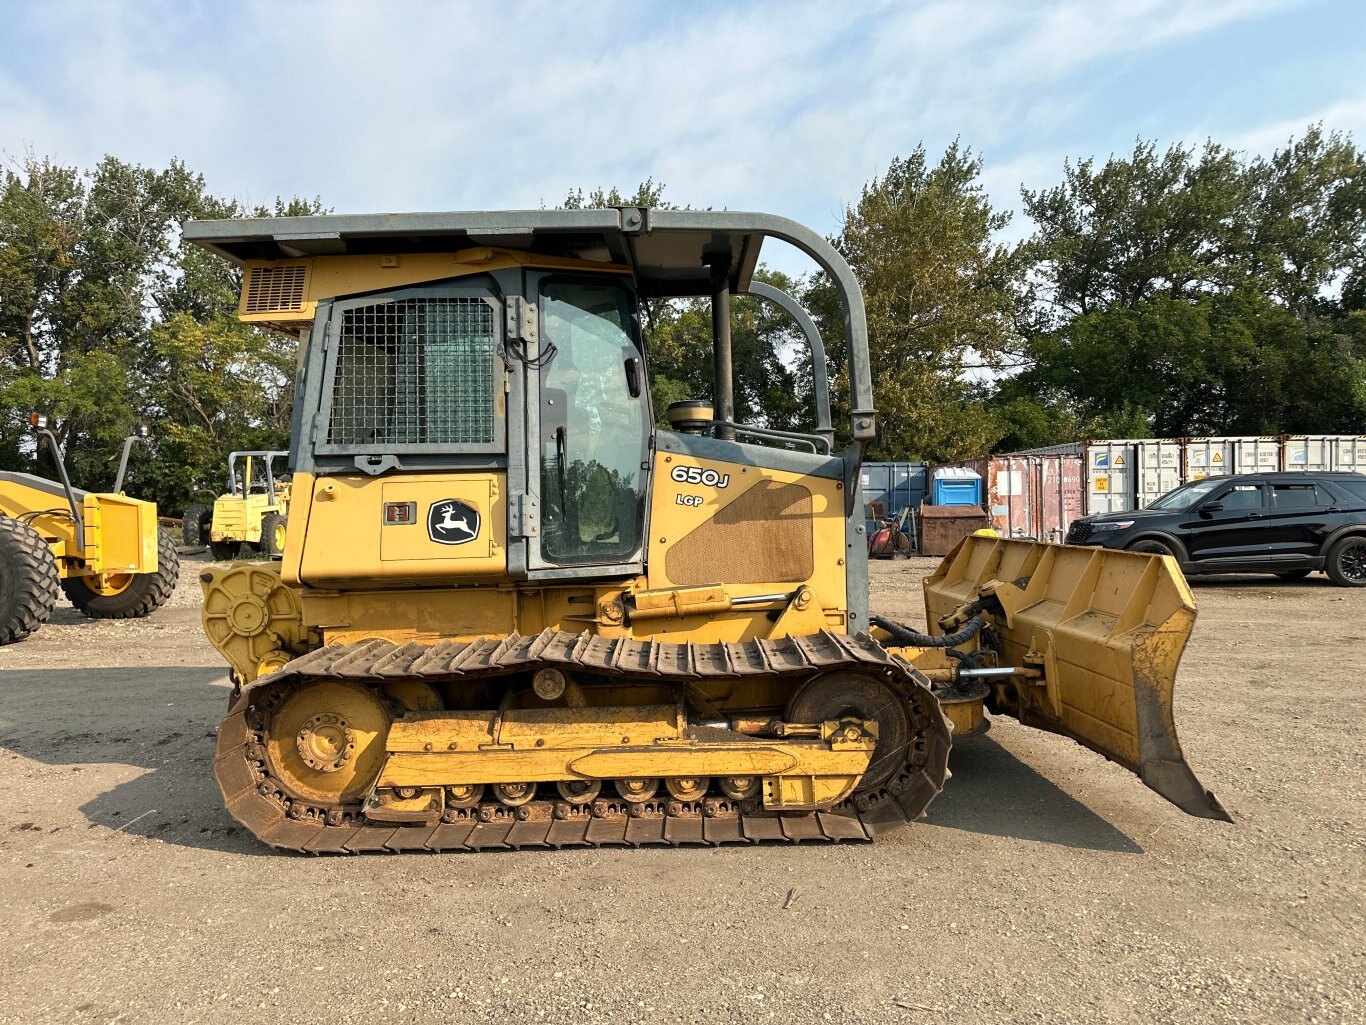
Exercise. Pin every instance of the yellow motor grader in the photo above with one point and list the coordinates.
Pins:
(104, 551)
(513, 613)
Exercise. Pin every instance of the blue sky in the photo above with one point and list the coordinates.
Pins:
(784, 107)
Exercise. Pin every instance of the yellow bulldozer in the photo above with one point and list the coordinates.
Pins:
(251, 516)
(104, 551)
(513, 613)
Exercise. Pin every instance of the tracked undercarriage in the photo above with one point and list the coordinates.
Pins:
(328, 754)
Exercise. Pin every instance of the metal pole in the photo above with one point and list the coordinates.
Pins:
(59, 457)
(723, 387)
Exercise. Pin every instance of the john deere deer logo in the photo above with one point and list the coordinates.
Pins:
(452, 522)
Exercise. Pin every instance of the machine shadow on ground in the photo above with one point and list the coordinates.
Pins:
(994, 793)
(164, 718)
(160, 718)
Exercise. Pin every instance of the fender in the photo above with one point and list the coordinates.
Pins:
(1182, 556)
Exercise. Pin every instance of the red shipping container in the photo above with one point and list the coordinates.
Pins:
(1033, 495)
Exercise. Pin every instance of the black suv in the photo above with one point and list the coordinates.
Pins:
(1289, 524)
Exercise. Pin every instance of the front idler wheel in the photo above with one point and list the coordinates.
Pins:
(845, 695)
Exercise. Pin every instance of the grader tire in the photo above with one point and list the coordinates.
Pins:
(29, 581)
(143, 594)
(272, 535)
(194, 528)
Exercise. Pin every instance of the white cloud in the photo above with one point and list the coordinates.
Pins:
(788, 107)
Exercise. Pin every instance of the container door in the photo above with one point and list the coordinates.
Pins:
(1110, 476)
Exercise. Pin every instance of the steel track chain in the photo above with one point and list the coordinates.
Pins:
(276, 816)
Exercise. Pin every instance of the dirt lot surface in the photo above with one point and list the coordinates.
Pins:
(1047, 885)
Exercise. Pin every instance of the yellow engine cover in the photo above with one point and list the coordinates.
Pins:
(361, 532)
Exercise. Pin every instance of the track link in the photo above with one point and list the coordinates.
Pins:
(275, 815)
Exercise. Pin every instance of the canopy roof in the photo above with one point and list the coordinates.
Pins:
(669, 250)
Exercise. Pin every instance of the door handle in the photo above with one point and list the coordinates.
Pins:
(1254, 516)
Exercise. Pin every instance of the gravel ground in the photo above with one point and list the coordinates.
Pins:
(1047, 885)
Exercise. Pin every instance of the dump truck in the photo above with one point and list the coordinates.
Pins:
(253, 513)
(104, 551)
(512, 612)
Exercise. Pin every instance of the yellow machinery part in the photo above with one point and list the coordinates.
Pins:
(1098, 634)
(253, 619)
(120, 537)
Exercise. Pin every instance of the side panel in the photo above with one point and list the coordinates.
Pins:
(752, 529)
(365, 532)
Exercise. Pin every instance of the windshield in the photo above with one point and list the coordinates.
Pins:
(1187, 495)
(594, 426)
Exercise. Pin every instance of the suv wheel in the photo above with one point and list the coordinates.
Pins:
(1346, 564)
(1151, 546)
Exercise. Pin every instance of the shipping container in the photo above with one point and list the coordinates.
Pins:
(1256, 455)
(889, 488)
(1129, 473)
(1034, 494)
(1324, 452)
(1207, 457)
(1220, 457)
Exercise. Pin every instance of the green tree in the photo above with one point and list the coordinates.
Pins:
(1195, 292)
(105, 315)
(940, 300)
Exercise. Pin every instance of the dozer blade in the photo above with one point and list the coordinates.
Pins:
(1105, 629)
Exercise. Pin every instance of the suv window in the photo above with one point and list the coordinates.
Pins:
(1355, 488)
(1242, 497)
(1301, 496)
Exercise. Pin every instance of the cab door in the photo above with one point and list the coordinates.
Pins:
(593, 427)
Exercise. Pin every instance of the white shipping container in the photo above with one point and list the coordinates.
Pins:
(1110, 474)
(1256, 455)
(1159, 469)
(1324, 452)
(1207, 457)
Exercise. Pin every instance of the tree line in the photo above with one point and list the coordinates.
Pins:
(1192, 290)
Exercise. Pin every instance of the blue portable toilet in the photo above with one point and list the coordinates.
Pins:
(956, 485)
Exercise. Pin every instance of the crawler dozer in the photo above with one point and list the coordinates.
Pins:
(513, 613)
(104, 551)
(253, 513)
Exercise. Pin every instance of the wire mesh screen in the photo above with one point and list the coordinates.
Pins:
(414, 372)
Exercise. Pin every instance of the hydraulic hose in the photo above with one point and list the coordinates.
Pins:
(913, 638)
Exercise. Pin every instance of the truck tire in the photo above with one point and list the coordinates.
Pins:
(194, 527)
(1346, 562)
(29, 581)
(137, 595)
(272, 535)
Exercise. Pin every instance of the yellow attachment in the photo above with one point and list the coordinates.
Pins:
(1097, 635)
(120, 537)
(253, 618)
